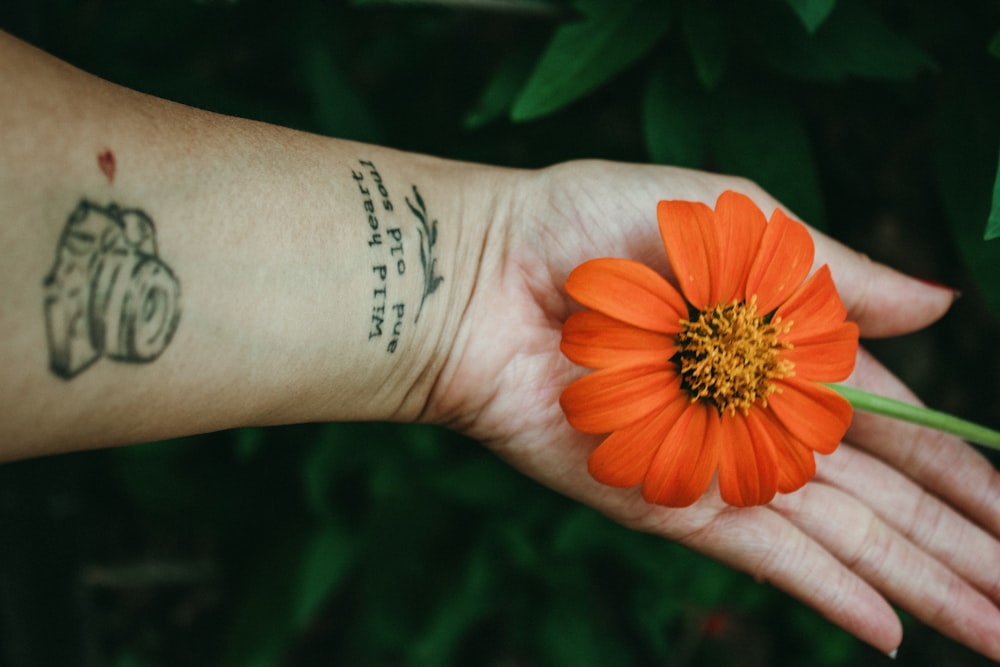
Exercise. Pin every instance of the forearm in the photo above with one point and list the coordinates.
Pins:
(285, 277)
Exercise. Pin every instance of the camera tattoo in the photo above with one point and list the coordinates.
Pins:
(108, 293)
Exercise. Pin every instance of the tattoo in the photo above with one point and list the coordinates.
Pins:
(388, 243)
(428, 239)
(108, 293)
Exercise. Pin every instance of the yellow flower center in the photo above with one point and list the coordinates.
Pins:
(728, 356)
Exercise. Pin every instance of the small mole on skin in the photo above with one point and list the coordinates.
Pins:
(106, 161)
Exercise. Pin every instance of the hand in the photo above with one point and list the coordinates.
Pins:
(897, 514)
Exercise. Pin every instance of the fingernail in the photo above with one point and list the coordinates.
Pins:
(955, 293)
(893, 653)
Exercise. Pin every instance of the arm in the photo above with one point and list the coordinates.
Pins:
(267, 233)
(285, 277)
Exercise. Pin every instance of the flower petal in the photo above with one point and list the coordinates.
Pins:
(783, 262)
(595, 340)
(741, 225)
(690, 237)
(811, 413)
(796, 463)
(686, 460)
(828, 357)
(748, 474)
(624, 457)
(612, 398)
(814, 308)
(824, 346)
(628, 291)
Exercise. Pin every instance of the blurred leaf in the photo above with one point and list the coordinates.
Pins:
(993, 224)
(335, 457)
(994, 47)
(465, 606)
(293, 574)
(526, 7)
(673, 122)
(966, 171)
(416, 549)
(585, 54)
(706, 28)
(854, 41)
(709, 584)
(482, 482)
(339, 110)
(249, 442)
(519, 548)
(570, 638)
(762, 137)
(158, 476)
(424, 441)
(655, 610)
(573, 631)
(812, 12)
(322, 563)
(129, 659)
(830, 647)
(585, 535)
(497, 98)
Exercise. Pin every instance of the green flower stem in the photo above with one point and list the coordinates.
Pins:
(940, 421)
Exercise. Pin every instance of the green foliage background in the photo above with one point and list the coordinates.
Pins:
(350, 544)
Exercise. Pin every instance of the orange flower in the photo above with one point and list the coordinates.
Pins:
(720, 377)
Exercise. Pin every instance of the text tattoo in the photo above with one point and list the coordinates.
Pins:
(388, 243)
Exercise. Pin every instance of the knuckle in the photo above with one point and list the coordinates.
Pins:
(873, 548)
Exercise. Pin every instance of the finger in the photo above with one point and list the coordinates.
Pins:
(904, 573)
(761, 542)
(920, 517)
(944, 465)
(883, 301)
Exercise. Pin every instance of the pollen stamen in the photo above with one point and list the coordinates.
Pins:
(730, 356)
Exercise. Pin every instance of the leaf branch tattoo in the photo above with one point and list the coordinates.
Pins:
(428, 239)
(108, 292)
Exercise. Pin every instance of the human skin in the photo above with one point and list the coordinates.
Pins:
(292, 305)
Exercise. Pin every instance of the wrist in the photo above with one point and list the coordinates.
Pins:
(453, 243)
(420, 230)
(472, 351)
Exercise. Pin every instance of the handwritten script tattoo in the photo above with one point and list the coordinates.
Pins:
(108, 292)
(388, 241)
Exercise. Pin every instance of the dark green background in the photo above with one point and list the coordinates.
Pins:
(392, 545)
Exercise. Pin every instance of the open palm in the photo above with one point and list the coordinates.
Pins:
(896, 513)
